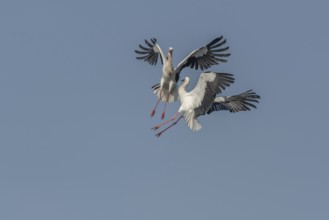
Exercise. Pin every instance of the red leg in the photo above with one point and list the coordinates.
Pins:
(163, 113)
(158, 126)
(160, 133)
(164, 109)
(153, 111)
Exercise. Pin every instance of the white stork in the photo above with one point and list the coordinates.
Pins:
(202, 58)
(198, 101)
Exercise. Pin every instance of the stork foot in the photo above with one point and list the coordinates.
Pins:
(158, 134)
(156, 127)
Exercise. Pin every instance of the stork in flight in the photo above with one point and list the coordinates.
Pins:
(202, 58)
(202, 99)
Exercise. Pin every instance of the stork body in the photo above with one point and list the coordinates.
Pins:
(167, 82)
(198, 101)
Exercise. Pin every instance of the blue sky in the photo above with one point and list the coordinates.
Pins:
(76, 139)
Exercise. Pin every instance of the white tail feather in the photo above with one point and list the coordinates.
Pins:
(192, 122)
(195, 125)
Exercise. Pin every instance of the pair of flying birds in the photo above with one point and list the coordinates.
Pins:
(202, 99)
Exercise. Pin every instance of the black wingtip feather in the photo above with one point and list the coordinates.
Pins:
(214, 41)
(219, 44)
(147, 52)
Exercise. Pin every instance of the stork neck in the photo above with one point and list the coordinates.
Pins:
(169, 58)
(168, 66)
(182, 88)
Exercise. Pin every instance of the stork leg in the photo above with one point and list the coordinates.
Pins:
(160, 133)
(171, 119)
(153, 111)
(164, 109)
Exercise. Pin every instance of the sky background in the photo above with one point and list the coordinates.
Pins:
(76, 139)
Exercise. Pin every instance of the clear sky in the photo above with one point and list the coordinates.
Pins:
(76, 139)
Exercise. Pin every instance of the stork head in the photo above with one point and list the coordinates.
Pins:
(170, 50)
(186, 80)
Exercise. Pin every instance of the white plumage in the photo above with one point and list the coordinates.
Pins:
(198, 101)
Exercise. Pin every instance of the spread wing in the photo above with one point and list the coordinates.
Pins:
(150, 52)
(205, 57)
(236, 103)
(204, 93)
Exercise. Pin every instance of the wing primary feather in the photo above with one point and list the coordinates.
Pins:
(144, 48)
(214, 41)
(141, 52)
(149, 44)
(221, 49)
(219, 44)
(223, 55)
